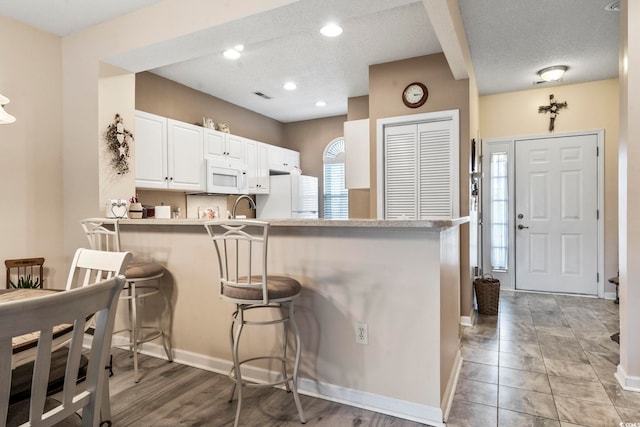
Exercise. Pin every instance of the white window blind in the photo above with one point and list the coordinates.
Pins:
(335, 195)
(499, 221)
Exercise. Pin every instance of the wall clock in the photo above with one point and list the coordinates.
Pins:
(415, 95)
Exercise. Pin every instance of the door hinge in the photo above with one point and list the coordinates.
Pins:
(597, 213)
(597, 277)
(597, 151)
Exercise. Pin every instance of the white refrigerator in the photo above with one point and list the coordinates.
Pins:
(290, 196)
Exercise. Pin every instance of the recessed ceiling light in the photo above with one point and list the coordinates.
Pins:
(239, 47)
(321, 104)
(231, 54)
(331, 30)
(552, 74)
(290, 86)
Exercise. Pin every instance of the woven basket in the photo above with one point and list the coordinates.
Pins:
(487, 294)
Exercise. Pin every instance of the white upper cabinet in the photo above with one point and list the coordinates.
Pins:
(257, 156)
(185, 156)
(151, 150)
(169, 154)
(356, 143)
(283, 160)
(223, 145)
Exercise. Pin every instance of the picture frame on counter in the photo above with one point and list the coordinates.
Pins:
(208, 212)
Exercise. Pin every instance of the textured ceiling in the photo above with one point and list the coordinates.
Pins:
(63, 17)
(285, 44)
(509, 41)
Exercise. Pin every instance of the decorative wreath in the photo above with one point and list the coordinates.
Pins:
(118, 139)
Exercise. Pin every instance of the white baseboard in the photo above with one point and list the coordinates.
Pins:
(610, 295)
(469, 320)
(627, 382)
(450, 391)
(412, 411)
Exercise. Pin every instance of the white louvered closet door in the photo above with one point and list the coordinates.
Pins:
(401, 172)
(420, 168)
(436, 181)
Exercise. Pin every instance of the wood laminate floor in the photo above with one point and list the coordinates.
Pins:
(170, 394)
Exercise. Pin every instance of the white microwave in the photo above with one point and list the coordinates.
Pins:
(227, 177)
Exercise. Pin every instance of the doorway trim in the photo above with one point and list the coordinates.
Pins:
(512, 141)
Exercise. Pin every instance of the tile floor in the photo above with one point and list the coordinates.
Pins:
(545, 360)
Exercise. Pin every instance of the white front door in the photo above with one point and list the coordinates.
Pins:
(556, 214)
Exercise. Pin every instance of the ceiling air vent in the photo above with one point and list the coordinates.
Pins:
(262, 95)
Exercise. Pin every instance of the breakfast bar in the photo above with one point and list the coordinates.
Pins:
(400, 279)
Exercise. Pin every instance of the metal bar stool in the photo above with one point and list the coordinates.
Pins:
(143, 280)
(241, 247)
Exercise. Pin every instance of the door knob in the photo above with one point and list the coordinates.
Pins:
(521, 227)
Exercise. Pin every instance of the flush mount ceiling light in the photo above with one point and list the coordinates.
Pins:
(290, 86)
(331, 30)
(321, 104)
(5, 118)
(232, 54)
(552, 74)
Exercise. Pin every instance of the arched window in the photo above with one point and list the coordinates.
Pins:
(336, 196)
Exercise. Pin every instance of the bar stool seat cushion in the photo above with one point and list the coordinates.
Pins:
(141, 270)
(278, 287)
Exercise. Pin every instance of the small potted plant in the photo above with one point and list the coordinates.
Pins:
(26, 282)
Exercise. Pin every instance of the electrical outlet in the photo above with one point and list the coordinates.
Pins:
(362, 333)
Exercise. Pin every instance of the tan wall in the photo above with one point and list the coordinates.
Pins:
(386, 83)
(310, 138)
(358, 108)
(117, 96)
(157, 95)
(592, 105)
(31, 222)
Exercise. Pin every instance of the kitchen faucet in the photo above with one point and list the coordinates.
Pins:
(252, 204)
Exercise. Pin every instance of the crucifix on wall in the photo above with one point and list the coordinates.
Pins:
(553, 109)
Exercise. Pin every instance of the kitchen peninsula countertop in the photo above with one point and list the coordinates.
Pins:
(400, 277)
(358, 223)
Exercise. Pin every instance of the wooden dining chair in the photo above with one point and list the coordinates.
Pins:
(25, 267)
(42, 315)
(91, 266)
(88, 267)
